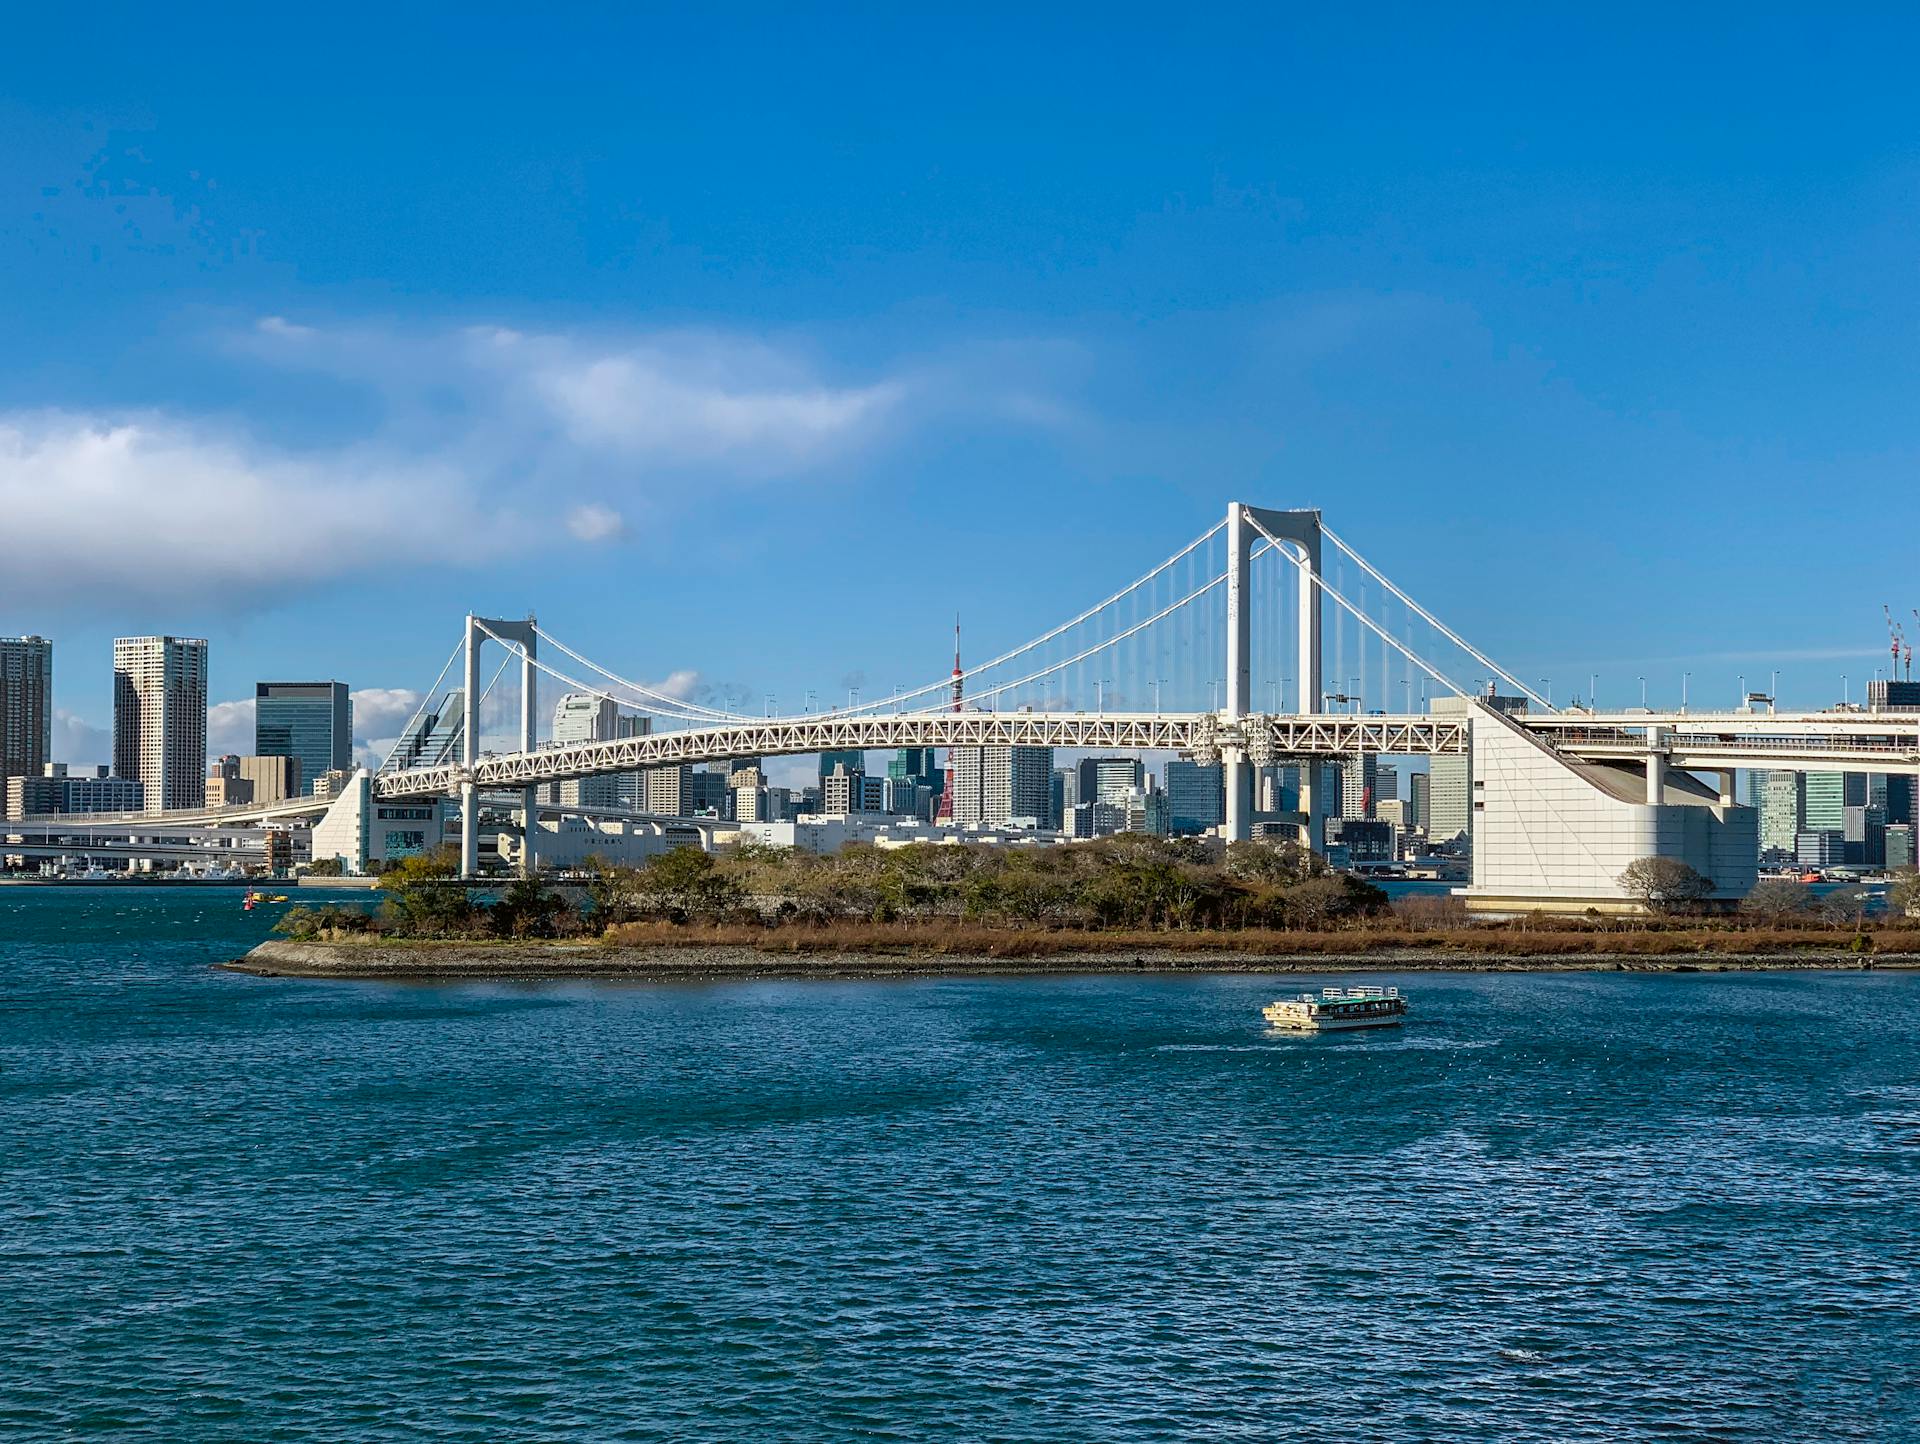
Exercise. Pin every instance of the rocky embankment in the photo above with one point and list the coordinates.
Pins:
(395, 961)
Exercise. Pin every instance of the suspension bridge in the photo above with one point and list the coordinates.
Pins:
(1266, 605)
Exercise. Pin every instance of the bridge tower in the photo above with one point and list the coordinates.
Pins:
(526, 636)
(1299, 530)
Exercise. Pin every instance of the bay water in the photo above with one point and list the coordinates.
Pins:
(1553, 1206)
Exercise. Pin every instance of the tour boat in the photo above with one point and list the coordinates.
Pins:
(1339, 1008)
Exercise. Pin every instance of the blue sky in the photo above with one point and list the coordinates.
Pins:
(755, 346)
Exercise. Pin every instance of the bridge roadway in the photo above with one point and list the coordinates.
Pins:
(1706, 741)
(1326, 734)
(1861, 741)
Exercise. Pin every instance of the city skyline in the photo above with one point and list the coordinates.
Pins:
(603, 386)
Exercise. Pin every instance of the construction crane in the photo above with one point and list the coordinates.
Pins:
(1896, 639)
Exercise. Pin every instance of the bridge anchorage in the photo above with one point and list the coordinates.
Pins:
(1267, 644)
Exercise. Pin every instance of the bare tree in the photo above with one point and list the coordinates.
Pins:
(1777, 900)
(1664, 884)
(1903, 898)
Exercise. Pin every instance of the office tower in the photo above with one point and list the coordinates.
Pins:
(843, 790)
(1783, 811)
(630, 788)
(1449, 810)
(1886, 695)
(1899, 846)
(583, 717)
(918, 781)
(707, 792)
(668, 790)
(1144, 812)
(1196, 796)
(1108, 779)
(1864, 830)
(433, 736)
(160, 718)
(311, 722)
(26, 707)
(1821, 847)
(997, 786)
(1359, 777)
(1898, 799)
(748, 787)
(1418, 796)
(236, 781)
(1085, 820)
(1279, 790)
(1386, 783)
(1829, 795)
(853, 761)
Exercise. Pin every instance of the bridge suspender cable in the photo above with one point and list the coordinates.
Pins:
(1366, 621)
(1452, 636)
(676, 706)
(691, 711)
(421, 710)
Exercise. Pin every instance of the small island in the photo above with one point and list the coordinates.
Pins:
(1128, 903)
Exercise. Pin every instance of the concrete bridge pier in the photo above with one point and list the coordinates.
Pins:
(1301, 531)
(470, 754)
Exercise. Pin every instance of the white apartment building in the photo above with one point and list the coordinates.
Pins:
(160, 718)
(1001, 785)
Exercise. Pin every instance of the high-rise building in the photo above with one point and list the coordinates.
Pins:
(707, 792)
(1829, 795)
(1899, 846)
(1109, 779)
(236, 781)
(1898, 798)
(1783, 811)
(26, 707)
(311, 722)
(853, 761)
(1865, 831)
(1144, 812)
(1887, 695)
(668, 790)
(160, 718)
(998, 786)
(1449, 810)
(843, 790)
(1359, 777)
(584, 717)
(433, 734)
(1196, 796)
(1418, 797)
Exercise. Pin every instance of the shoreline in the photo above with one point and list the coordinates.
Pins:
(537, 961)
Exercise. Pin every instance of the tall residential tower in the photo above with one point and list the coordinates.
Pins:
(160, 718)
(26, 707)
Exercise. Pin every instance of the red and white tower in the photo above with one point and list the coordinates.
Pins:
(944, 813)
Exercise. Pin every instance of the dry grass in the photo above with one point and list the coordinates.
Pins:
(1520, 938)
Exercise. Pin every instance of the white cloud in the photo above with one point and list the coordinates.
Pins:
(175, 509)
(476, 429)
(79, 743)
(685, 685)
(382, 711)
(694, 400)
(596, 523)
(230, 728)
